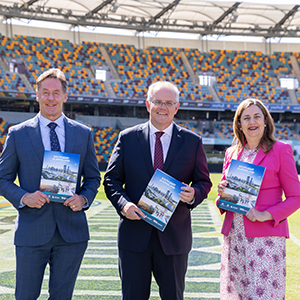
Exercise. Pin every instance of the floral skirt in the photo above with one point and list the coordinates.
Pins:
(252, 268)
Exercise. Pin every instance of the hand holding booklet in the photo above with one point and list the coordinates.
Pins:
(244, 181)
(160, 199)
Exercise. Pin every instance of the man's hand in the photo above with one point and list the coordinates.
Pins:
(75, 202)
(187, 194)
(35, 200)
(132, 212)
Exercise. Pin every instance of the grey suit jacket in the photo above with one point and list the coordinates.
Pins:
(22, 156)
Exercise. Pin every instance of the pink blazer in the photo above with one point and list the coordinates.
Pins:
(280, 176)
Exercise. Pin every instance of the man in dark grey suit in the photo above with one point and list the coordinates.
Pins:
(144, 250)
(46, 231)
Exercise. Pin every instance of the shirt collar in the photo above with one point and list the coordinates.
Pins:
(167, 131)
(44, 121)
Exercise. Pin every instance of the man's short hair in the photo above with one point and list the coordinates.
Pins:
(160, 84)
(53, 73)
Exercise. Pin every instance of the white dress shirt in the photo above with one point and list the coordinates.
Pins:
(165, 140)
(45, 131)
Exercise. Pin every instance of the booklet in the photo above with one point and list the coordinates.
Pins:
(160, 199)
(244, 181)
(59, 175)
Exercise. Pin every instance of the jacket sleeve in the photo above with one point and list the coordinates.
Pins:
(290, 185)
(9, 166)
(114, 178)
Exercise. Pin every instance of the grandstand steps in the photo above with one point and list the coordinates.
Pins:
(109, 63)
(295, 66)
(90, 73)
(4, 65)
(189, 68)
(276, 82)
(293, 97)
(213, 93)
(27, 83)
(109, 89)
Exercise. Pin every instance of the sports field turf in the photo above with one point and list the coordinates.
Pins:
(98, 277)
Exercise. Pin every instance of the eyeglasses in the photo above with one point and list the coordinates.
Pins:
(159, 103)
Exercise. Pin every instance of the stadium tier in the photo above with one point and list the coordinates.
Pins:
(243, 74)
(104, 141)
(34, 55)
(237, 74)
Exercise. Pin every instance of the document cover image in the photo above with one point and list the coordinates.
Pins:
(59, 175)
(244, 181)
(160, 199)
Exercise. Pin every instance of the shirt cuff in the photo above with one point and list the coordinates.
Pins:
(21, 202)
(191, 202)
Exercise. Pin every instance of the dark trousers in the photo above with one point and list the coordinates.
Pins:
(136, 272)
(64, 262)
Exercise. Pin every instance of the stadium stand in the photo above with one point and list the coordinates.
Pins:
(238, 74)
(242, 74)
(139, 68)
(35, 55)
(104, 140)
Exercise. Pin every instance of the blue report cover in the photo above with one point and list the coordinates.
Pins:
(59, 175)
(160, 199)
(244, 181)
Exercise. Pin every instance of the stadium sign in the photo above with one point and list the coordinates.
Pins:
(141, 102)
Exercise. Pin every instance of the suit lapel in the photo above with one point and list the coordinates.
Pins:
(143, 137)
(34, 135)
(70, 136)
(176, 140)
(259, 156)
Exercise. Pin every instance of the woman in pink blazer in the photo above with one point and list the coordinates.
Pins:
(253, 255)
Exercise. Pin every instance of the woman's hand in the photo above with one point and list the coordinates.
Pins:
(221, 186)
(260, 216)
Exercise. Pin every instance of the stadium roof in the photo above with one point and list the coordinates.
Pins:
(204, 18)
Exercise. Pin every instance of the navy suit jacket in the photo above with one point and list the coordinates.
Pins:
(129, 171)
(22, 156)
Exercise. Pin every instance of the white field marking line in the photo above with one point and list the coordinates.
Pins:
(211, 267)
(295, 239)
(210, 249)
(97, 266)
(117, 278)
(102, 234)
(101, 248)
(100, 256)
(103, 242)
(5, 290)
(153, 294)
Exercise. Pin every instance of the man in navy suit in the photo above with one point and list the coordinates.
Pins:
(143, 249)
(48, 232)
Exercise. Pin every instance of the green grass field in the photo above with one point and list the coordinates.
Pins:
(98, 277)
(293, 250)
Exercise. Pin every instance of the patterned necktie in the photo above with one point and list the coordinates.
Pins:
(53, 137)
(158, 152)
